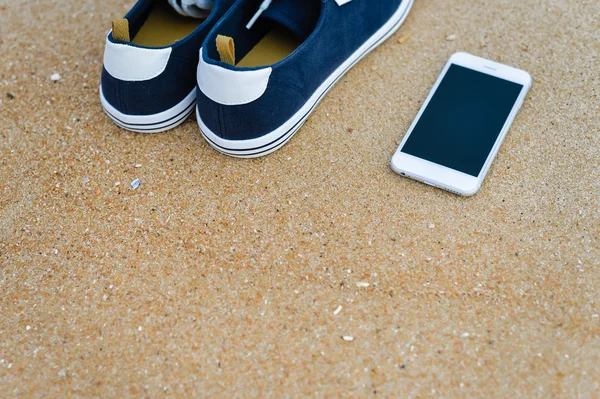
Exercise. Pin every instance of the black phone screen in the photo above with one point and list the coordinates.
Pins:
(463, 120)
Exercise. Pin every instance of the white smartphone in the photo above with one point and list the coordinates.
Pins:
(460, 127)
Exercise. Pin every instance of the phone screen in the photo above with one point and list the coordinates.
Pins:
(463, 120)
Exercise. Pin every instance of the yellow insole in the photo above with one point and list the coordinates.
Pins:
(274, 47)
(164, 27)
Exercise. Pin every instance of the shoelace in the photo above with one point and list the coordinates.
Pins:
(201, 9)
(192, 8)
(265, 4)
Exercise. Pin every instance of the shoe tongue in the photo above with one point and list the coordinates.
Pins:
(192, 8)
(299, 16)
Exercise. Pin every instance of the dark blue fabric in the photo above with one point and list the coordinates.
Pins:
(300, 17)
(340, 31)
(155, 95)
(239, 122)
(178, 79)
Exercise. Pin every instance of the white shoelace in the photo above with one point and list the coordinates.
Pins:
(201, 9)
(192, 8)
(265, 4)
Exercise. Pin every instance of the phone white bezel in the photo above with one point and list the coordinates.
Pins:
(441, 176)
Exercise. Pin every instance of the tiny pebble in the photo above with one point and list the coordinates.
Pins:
(135, 184)
(362, 285)
(28, 328)
(55, 77)
(404, 38)
(451, 38)
(432, 226)
(104, 297)
(62, 373)
(338, 310)
(138, 165)
(140, 328)
(348, 338)
(86, 180)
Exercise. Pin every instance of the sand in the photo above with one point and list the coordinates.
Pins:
(220, 277)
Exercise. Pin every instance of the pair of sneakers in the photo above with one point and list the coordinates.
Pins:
(253, 70)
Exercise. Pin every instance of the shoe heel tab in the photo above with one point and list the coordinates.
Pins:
(226, 85)
(120, 30)
(130, 63)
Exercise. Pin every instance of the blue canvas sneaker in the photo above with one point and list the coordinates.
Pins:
(148, 79)
(267, 64)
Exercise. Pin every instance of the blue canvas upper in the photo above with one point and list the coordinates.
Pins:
(330, 34)
(178, 79)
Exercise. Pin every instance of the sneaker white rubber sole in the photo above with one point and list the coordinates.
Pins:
(271, 142)
(155, 123)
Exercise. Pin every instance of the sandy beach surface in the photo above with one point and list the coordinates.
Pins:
(248, 278)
